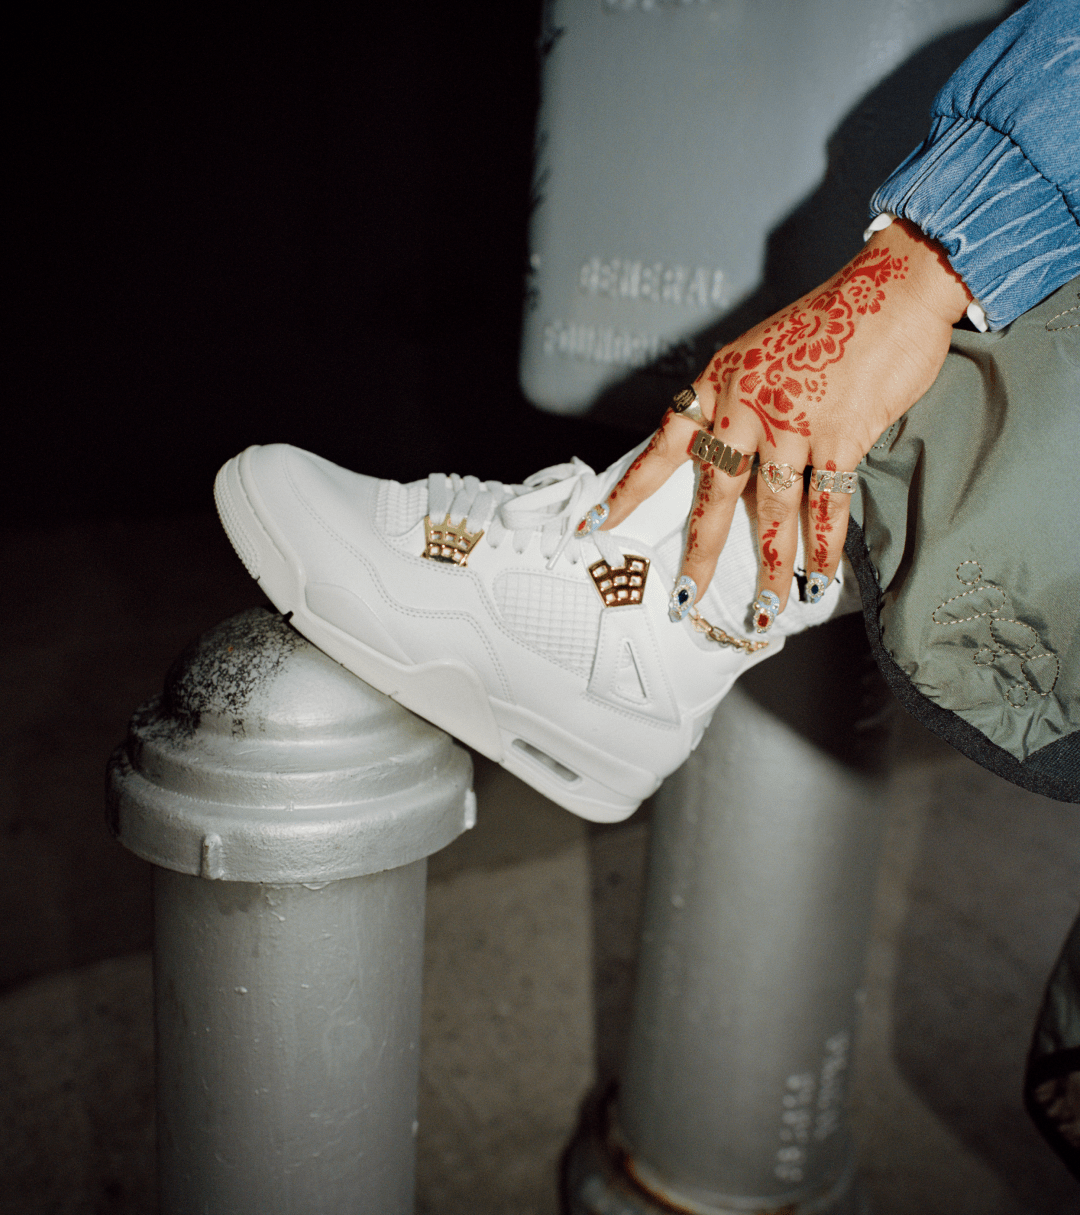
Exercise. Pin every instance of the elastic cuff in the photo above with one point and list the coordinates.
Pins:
(976, 313)
(1008, 232)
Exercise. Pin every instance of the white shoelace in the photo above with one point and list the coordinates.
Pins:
(550, 504)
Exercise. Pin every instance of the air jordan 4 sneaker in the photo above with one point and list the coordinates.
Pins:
(486, 609)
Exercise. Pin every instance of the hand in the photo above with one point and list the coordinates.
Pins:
(814, 385)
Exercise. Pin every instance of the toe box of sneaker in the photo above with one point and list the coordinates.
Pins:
(311, 506)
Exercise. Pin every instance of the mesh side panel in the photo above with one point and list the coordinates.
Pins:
(400, 507)
(559, 618)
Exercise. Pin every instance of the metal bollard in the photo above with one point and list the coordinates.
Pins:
(762, 868)
(289, 809)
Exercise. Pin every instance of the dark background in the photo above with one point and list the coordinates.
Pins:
(291, 226)
(310, 226)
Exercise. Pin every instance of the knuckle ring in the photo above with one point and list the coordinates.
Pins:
(686, 404)
(779, 477)
(827, 480)
(709, 450)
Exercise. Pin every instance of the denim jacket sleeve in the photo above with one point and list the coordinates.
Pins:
(997, 180)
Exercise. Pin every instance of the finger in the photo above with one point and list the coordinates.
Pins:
(710, 520)
(829, 506)
(668, 449)
(779, 494)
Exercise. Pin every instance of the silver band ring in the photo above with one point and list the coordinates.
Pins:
(779, 477)
(827, 480)
(709, 450)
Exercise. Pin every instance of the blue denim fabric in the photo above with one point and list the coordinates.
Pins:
(997, 181)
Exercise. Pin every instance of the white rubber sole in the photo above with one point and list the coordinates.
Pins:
(448, 693)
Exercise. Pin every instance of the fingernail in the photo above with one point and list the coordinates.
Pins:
(595, 517)
(682, 598)
(764, 610)
(817, 584)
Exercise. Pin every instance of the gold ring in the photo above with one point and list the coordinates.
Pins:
(779, 477)
(709, 450)
(686, 405)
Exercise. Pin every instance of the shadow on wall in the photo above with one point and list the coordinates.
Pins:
(821, 234)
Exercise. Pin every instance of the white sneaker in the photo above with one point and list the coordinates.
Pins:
(550, 653)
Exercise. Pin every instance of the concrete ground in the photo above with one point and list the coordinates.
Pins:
(532, 919)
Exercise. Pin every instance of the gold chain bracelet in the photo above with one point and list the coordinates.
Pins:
(721, 638)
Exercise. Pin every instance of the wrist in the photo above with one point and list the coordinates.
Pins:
(931, 278)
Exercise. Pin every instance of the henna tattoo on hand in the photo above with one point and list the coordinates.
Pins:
(822, 524)
(706, 485)
(822, 527)
(636, 464)
(787, 369)
(768, 551)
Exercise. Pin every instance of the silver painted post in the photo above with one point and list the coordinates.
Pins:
(289, 809)
(732, 1097)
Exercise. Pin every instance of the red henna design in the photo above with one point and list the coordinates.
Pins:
(807, 338)
(724, 367)
(822, 524)
(705, 488)
(821, 512)
(635, 466)
(769, 553)
(797, 425)
(705, 485)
